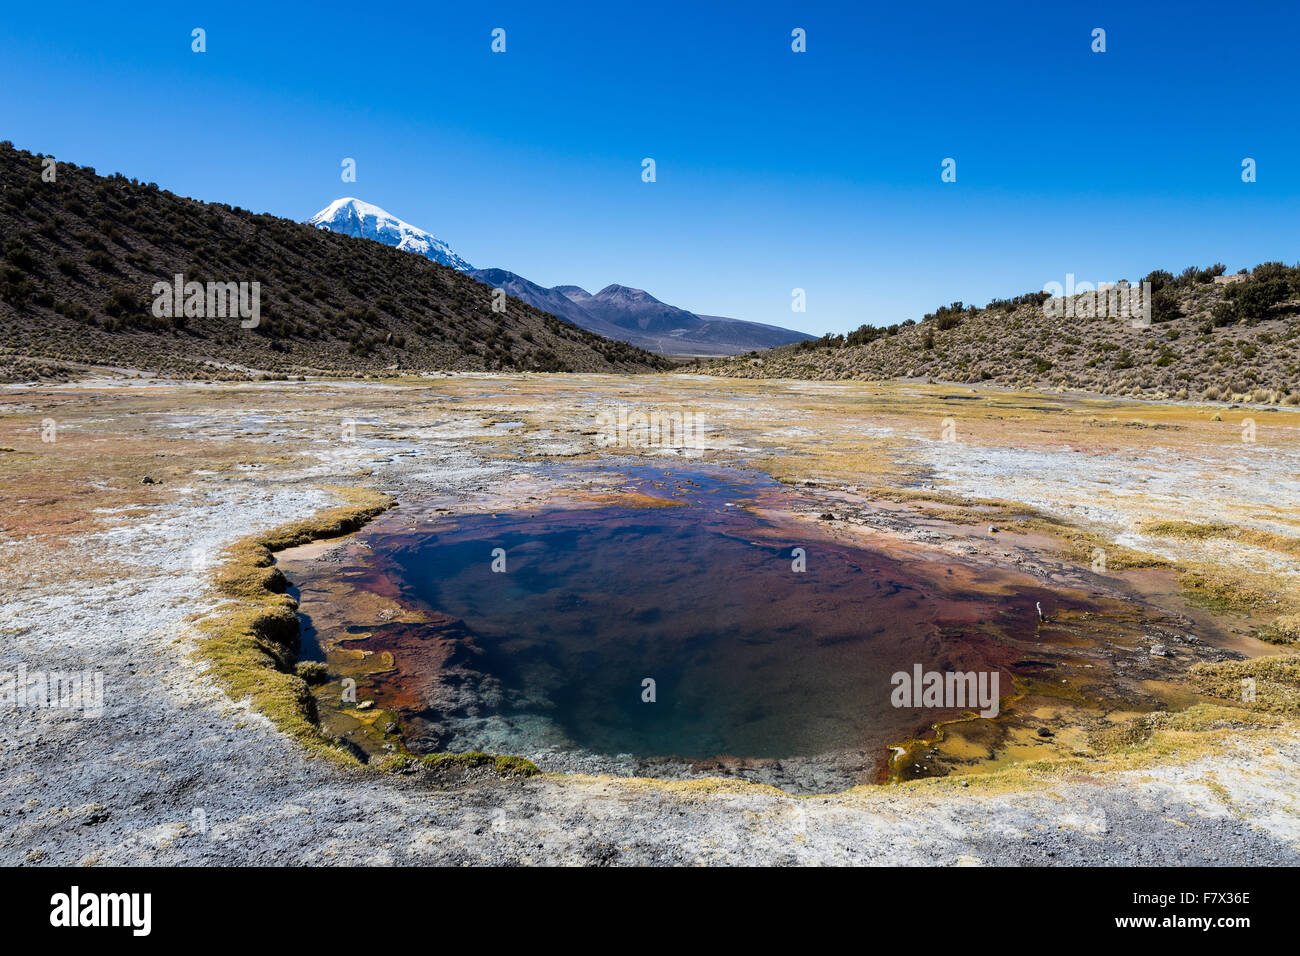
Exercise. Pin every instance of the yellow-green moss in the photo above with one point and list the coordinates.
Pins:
(250, 573)
(1135, 734)
(252, 641)
(1194, 530)
(1083, 545)
(1223, 590)
(1138, 743)
(361, 505)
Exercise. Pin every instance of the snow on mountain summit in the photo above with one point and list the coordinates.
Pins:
(355, 217)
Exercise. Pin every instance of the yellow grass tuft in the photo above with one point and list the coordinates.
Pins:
(1204, 530)
(1275, 682)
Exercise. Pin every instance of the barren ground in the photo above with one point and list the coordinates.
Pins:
(102, 572)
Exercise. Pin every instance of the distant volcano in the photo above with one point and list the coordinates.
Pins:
(617, 312)
(353, 217)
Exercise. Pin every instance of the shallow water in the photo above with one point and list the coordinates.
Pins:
(691, 589)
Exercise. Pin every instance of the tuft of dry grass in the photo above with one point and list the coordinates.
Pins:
(1205, 530)
(1284, 629)
(1276, 682)
(1136, 735)
(1233, 590)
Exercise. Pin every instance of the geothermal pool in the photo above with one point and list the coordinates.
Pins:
(664, 635)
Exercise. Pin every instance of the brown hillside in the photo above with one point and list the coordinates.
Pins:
(79, 258)
(1212, 336)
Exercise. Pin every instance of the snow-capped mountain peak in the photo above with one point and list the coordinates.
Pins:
(355, 217)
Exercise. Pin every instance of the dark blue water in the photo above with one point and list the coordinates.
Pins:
(748, 657)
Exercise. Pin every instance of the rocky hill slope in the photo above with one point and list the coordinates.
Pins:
(84, 260)
(1211, 336)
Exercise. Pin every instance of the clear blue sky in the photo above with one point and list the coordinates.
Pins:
(775, 170)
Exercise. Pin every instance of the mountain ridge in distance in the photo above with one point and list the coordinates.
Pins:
(82, 257)
(620, 312)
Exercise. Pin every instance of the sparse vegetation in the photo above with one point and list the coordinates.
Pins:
(1204, 530)
(79, 258)
(1276, 682)
(1212, 337)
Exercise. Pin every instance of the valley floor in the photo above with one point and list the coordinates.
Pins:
(106, 571)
